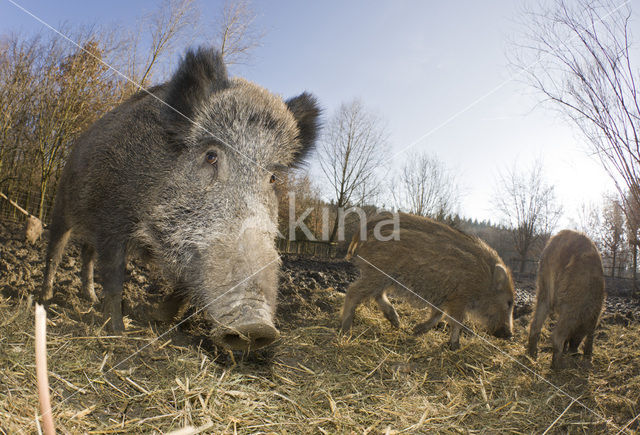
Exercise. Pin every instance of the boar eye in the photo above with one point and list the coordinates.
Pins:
(272, 179)
(510, 304)
(212, 157)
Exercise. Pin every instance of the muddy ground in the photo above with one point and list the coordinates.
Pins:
(303, 282)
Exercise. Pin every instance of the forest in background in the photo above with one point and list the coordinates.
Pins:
(51, 90)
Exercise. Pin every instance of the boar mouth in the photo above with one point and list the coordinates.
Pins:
(502, 333)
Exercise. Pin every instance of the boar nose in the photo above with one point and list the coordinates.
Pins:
(503, 333)
(248, 336)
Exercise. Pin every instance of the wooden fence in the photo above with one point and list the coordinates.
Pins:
(531, 267)
(313, 248)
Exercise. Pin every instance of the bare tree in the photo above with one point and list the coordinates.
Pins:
(528, 206)
(352, 149)
(613, 234)
(578, 55)
(236, 34)
(426, 187)
(73, 90)
(632, 215)
(589, 221)
(17, 90)
(174, 21)
(50, 91)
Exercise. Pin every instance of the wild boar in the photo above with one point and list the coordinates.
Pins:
(571, 285)
(33, 229)
(439, 265)
(184, 174)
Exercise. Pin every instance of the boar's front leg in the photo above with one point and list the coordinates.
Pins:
(455, 319)
(588, 345)
(387, 309)
(356, 293)
(559, 337)
(542, 311)
(573, 343)
(88, 259)
(59, 236)
(112, 266)
(423, 327)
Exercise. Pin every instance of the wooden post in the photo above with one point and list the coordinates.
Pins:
(13, 203)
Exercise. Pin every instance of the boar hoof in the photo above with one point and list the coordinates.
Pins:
(113, 308)
(421, 328)
(117, 326)
(248, 336)
(46, 294)
(346, 326)
(90, 294)
(532, 350)
(395, 322)
(558, 363)
(503, 333)
(455, 345)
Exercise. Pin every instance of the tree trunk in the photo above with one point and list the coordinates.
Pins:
(523, 262)
(613, 265)
(635, 266)
(332, 237)
(524, 251)
(43, 190)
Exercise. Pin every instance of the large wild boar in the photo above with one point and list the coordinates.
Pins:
(184, 175)
(571, 285)
(446, 268)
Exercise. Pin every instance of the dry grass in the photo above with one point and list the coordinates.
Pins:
(313, 381)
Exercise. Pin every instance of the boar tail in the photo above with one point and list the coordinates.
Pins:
(353, 246)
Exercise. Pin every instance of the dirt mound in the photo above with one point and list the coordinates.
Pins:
(309, 288)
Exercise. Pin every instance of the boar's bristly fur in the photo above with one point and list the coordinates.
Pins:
(183, 173)
(442, 266)
(200, 74)
(305, 109)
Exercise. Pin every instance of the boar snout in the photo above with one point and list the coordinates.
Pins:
(503, 333)
(245, 336)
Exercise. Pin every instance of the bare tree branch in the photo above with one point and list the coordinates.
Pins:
(528, 206)
(167, 24)
(352, 149)
(237, 35)
(426, 187)
(578, 55)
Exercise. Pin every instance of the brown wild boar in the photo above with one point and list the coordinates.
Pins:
(33, 229)
(571, 285)
(453, 271)
(184, 174)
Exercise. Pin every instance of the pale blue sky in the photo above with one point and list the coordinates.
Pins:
(416, 63)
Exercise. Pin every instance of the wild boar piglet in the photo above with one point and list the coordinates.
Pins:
(571, 285)
(437, 265)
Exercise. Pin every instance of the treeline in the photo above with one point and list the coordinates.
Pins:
(50, 92)
(614, 225)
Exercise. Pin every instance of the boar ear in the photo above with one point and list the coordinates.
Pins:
(306, 111)
(500, 276)
(200, 74)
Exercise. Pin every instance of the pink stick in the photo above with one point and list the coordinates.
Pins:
(41, 370)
